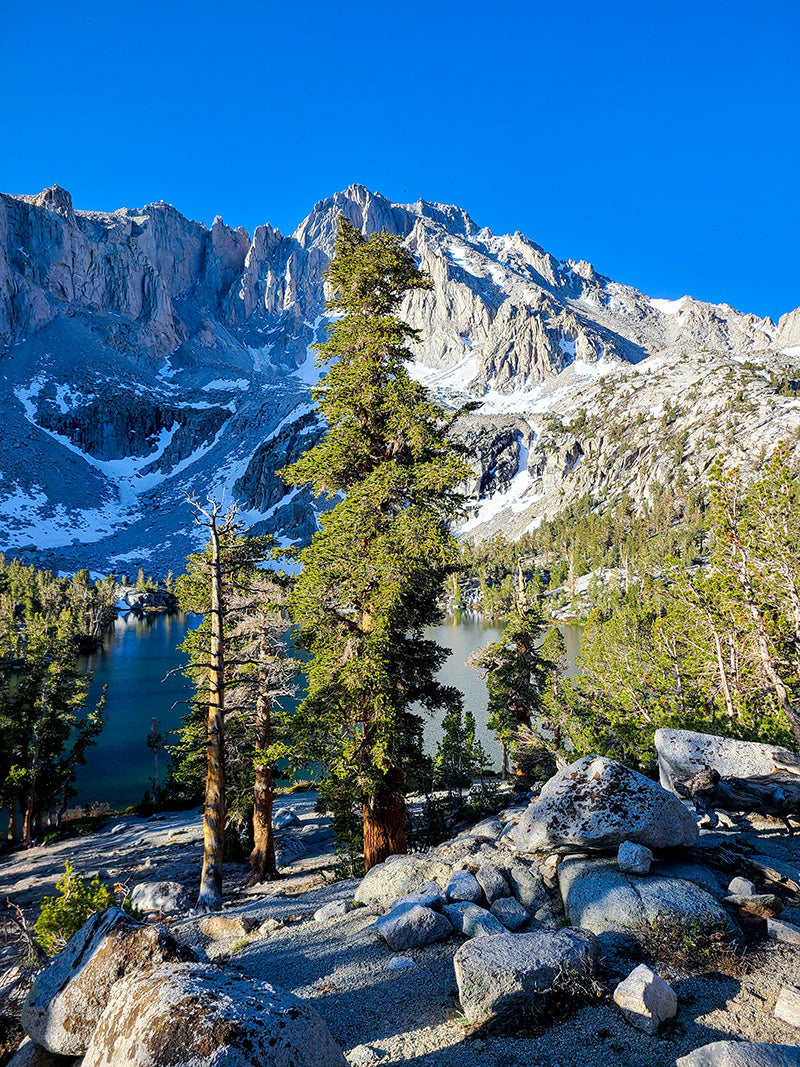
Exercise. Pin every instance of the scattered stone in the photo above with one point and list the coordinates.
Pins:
(510, 912)
(335, 909)
(222, 927)
(742, 887)
(597, 803)
(471, 920)
(787, 1007)
(683, 753)
(68, 998)
(783, 931)
(411, 925)
(464, 886)
(741, 1054)
(283, 818)
(270, 925)
(498, 975)
(599, 897)
(493, 883)
(185, 1014)
(162, 897)
(646, 1000)
(400, 963)
(634, 859)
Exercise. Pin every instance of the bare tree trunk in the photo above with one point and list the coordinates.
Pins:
(503, 762)
(13, 823)
(262, 859)
(385, 822)
(210, 896)
(723, 676)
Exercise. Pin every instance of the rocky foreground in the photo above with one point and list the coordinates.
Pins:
(595, 925)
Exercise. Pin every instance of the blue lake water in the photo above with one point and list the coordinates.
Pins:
(136, 661)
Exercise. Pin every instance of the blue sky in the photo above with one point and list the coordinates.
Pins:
(658, 141)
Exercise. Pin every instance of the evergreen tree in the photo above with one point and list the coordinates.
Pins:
(237, 662)
(518, 673)
(373, 572)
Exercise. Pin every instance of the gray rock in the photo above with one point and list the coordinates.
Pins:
(634, 859)
(493, 883)
(527, 885)
(411, 925)
(334, 909)
(388, 881)
(682, 753)
(363, 1055)
(429, 895)
(400, 963)
(29, 1054)
(289, 848)
(599, 897)
(596, 803)
(283, 818)
(741, 1054)
(464, 886)
(67, 1000)
(163, 897)
(780, 930)
(741, 887)
(787, 1006)
(646, 1000)
(510, 912)
(700, 875)
(499, 975)
(181, 1015)
(471, 920)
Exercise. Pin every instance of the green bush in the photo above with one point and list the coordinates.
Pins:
(62, 916)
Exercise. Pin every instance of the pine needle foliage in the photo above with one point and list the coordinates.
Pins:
(373, 572)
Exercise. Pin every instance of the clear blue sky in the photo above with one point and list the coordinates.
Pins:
(659, 141)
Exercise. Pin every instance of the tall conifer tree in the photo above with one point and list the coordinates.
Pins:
(372, 573)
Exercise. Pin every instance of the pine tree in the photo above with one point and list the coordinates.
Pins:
(237, 665)
(373, 572)
(518, 675)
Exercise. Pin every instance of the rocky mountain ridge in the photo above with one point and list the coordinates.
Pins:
(146, 356)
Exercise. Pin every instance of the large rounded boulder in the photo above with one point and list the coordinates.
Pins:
(597, 803)
(67, 999)
(182, 1015)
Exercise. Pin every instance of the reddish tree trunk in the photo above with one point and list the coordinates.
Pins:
(385, 822)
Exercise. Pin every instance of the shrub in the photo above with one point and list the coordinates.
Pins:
(62, 916)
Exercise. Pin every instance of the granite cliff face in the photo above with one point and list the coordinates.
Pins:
(146, 355)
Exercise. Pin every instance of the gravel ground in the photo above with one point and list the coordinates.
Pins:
(410, 1015)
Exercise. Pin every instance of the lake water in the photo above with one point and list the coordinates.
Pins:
(136, 661)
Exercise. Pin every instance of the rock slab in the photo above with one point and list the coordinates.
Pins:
(597, 803)
(498, 975)
(181, 1015)
(682, 753)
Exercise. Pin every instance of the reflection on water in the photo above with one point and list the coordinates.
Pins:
(464, 635)
(139, 655)
(135, 661)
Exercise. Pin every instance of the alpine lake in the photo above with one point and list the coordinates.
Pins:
(141, 663)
